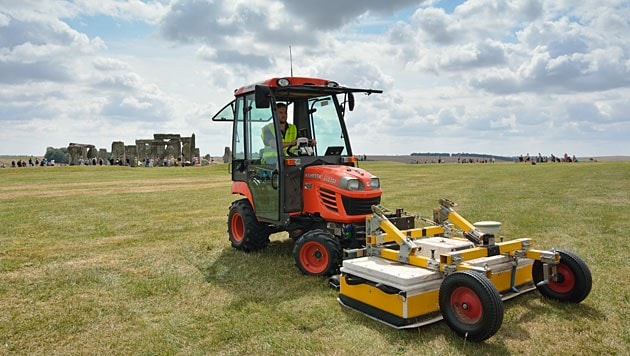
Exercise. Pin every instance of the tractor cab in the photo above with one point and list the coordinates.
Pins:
(296, 172)
(268, 170)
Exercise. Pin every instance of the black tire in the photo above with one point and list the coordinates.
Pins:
(244, 230)
(317, 253)
(471, 305)
(573, 282)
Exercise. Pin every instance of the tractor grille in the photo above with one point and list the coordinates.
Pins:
(328, 199)
(359, 206)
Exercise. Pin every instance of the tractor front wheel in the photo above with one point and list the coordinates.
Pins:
(571, 284)
(471, 305)
(318, 253)
(244, 230)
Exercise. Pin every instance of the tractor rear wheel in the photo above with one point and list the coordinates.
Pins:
(471, 305)
(317, 253)
(245, 232)
(572, 282)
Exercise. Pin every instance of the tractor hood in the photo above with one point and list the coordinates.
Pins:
(343, 177)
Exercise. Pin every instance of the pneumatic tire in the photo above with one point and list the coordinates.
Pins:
(244, 230)
(471, 305)
(572, 283)
(317, 253)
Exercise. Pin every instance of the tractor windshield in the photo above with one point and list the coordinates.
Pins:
(326, 126)
(318, 118)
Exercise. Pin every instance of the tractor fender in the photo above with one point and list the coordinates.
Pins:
(241, 188)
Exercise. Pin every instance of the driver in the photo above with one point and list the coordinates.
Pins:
(288, 131)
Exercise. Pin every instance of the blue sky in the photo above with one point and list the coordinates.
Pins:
(498, 77)
(109, 28)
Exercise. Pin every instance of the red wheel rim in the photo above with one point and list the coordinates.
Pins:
(565, 280)
(314, 257)
(466, 305)
(237, 227)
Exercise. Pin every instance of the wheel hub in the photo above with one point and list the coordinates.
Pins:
(563, 281)
(466, 305)
(314, 257)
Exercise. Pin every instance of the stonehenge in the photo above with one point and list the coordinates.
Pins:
(161, 150)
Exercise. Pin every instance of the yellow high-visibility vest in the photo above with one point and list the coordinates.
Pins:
(289, 135)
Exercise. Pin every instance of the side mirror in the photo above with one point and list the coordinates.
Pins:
(350, 101)
(261, 95)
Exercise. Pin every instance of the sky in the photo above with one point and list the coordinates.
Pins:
(501, 77)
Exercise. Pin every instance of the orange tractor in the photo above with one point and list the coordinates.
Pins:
(316, 192)
(390, 270)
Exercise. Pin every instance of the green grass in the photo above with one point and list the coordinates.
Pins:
(116, 260)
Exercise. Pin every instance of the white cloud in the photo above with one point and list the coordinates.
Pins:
(134, 103)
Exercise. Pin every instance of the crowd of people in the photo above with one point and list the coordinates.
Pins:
(31, 163)
(147, 162)
(476, 160)
(542, 159)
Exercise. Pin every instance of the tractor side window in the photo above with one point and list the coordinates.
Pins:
(226, 114)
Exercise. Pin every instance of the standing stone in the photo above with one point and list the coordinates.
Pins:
(186, 152)
(131, 158)
(227, 155)
(102, 156)
(118, 151)
(75, 152)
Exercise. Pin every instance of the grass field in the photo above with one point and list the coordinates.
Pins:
(116, 260)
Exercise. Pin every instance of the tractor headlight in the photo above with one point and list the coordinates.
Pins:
(353, 184)
(375, 183)
(350, 184)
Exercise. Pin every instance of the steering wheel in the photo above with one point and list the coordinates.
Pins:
(289, 153)
(300, 142)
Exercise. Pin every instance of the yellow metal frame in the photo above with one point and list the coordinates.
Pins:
(381, 232)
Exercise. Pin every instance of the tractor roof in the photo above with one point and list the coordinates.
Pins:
(302, 84)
